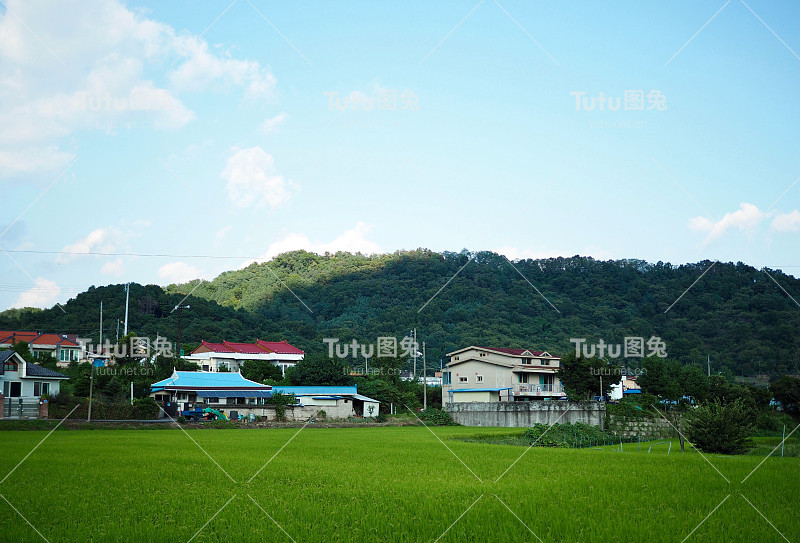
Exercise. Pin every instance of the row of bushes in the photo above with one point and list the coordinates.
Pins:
(142, 409)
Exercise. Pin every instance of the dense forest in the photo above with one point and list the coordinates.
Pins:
(735, 314)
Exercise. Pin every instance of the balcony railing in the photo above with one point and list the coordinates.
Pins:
(522, 388)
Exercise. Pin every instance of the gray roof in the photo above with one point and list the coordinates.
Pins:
(32, 370)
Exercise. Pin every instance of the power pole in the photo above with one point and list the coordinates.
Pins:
(414, 346)
(91, 376)
(180, 326)
(709, 365)
(127, 298)
(424, 379)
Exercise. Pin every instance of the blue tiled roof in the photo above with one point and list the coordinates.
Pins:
(316, 391)
(205, 379)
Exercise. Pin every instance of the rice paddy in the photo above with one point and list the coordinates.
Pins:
(380, 484)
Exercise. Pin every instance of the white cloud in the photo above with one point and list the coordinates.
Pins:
(221, 233)
(271, 125)
(252, 179)
(351, 241)
(203, 70)
(113, 267)
(96, 65)
(101, 240)
(178, 272)
(746, 218)
(787, 222)
(44, 294)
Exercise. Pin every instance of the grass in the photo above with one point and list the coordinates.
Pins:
(379, 484)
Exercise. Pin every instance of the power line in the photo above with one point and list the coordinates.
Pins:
(144, 255)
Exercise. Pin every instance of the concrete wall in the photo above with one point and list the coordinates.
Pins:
(293, 413)
(526, 414)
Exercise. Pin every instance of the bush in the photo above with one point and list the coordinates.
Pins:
(720, 428)
(574, 436)
(181, 419)
(437, 417)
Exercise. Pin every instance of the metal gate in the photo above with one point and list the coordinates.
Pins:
(16, 410)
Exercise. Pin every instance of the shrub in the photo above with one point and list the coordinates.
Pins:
(437, 417)
(181, 419)
(720, 428)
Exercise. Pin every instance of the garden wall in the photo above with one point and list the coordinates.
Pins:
(644, 427)
(526, 414)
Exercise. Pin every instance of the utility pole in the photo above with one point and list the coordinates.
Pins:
(180, 326)
(709, 365)
(414, 346)
(91, 376)
(424, 379)
(127, 298)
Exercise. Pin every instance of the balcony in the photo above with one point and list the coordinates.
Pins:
(523, 389)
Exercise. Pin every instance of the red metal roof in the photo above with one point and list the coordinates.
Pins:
(36, 338)
(515, 352)
(260, 347)
(52, 339)
(245, 348)
(279, 347)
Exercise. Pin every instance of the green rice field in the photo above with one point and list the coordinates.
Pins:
(380, 484)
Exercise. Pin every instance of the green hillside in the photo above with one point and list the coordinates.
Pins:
(736, 314)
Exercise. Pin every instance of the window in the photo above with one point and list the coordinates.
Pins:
(545, 362)
(41, 388)
(483, 354)
(205, 367)
(463, 379)
(10, 365)
(182, 396)
(523, 377)
(526, 360)
(66, 355)
(212, 400)
(479, 378)
(456, 358)
(445, 377)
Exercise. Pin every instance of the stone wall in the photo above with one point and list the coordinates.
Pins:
(526, 414)
(644, 427)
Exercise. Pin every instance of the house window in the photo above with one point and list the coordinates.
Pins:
(9, 365)
(545, 362)
(183, 396)
(463, 379)
(479, 378)
(445, 377)
(483, 354)
(523, 377)
(41, 388)
(205, 367)
(526, 360)
(212, 400)
(456, 358)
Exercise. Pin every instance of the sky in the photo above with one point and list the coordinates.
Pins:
(658, 131)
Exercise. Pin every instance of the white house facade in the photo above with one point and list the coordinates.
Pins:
(484, 374)
(230, 356)
(23, 383)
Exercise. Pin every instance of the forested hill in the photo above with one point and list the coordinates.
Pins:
(735, 314)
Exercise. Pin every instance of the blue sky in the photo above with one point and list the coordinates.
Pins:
(252, 128)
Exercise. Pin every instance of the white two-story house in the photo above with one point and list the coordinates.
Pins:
(485, 374)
